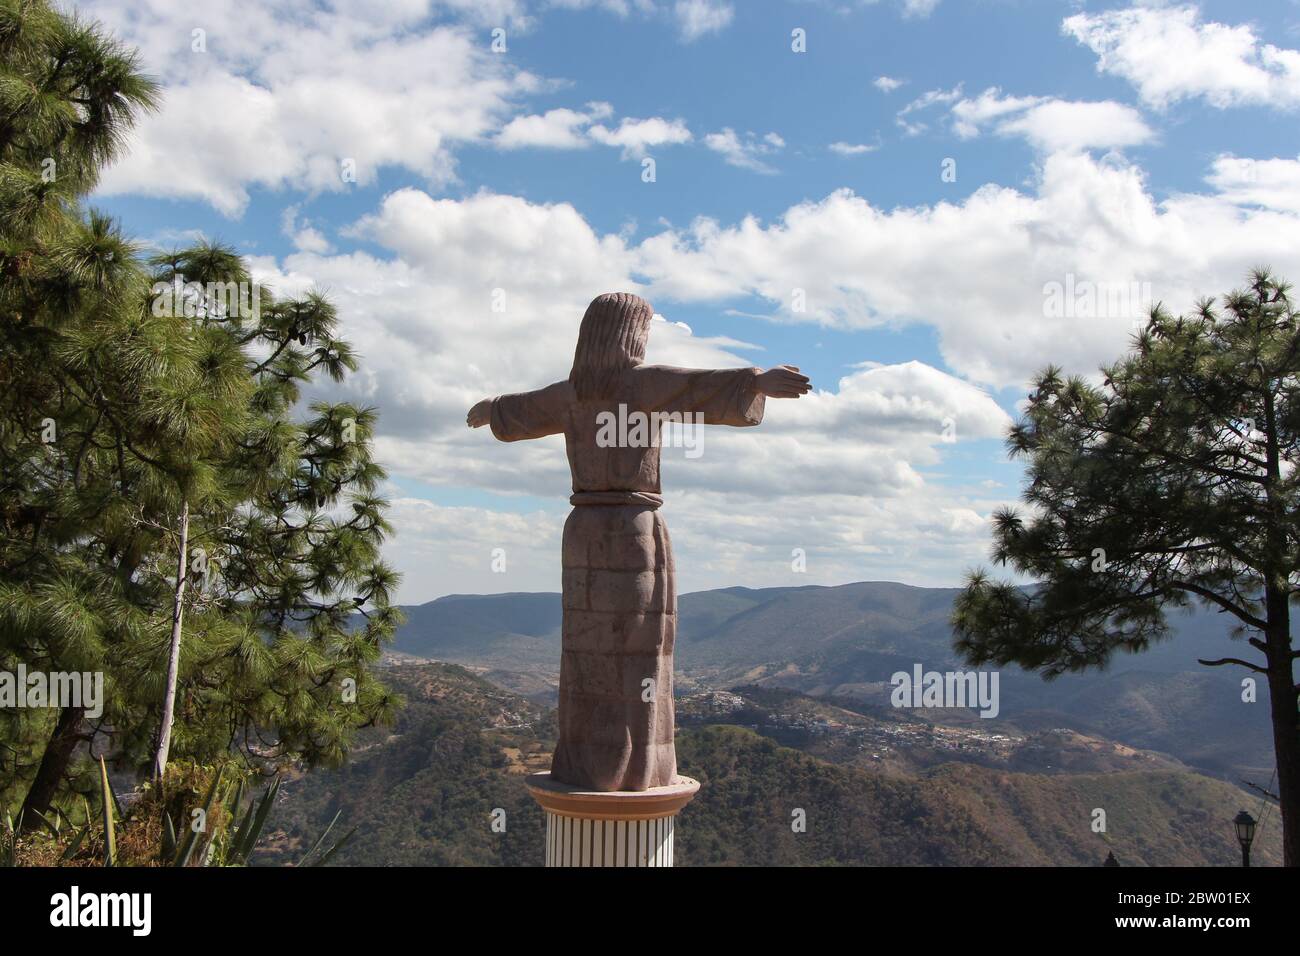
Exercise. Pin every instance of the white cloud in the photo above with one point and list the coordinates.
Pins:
(852, 149)
(867, 509)
(574, 129)
(969, 115)
(745, 152)
(695, 18)
(919, 8)
(855, 472)
(635, 136)
(442, 549)
(1170, 54)
(1051, 125)
(1270, 183)
(1060, 125)
(488, 13)
(719, 540)
(554, 129)
(285, 97)
(975, 271)
(619, 7)
(924, 102)
(305, 236)
(430, 345)
(886, 84)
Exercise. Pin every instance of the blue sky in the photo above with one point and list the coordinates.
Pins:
(1109, 143)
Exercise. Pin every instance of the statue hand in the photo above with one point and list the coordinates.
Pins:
(480, 414)
(783, 381)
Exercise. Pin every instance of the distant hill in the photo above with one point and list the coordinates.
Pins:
(422, 793)
(907, 742)
(846, 641)
(425, 793)
(955, 815)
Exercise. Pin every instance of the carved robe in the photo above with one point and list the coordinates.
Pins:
(620, 598)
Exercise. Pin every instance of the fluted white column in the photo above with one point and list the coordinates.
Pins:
(584, 841)
(622, 828)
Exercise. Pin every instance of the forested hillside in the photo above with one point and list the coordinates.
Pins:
(427, 792)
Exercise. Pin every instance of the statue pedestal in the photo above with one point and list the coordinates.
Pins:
(618, 828)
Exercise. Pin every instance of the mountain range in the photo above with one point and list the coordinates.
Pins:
(843, 643)
(873, 787)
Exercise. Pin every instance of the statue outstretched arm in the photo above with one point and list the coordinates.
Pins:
(523, 415)
(729, 396)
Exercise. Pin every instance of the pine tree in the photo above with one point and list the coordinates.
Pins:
(290, 547)
(69, 291)
(1173, 482)
(172, 516)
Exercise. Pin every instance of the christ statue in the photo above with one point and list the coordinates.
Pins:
(620, 597)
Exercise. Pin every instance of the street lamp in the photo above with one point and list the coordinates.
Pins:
(1245, 825)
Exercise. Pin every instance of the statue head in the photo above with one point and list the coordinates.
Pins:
(611, 340)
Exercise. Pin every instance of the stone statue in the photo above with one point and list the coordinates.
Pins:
(620, 599)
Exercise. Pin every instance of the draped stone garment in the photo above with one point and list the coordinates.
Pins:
(620, 598)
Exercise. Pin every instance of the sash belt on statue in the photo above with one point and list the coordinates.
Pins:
(643, 498)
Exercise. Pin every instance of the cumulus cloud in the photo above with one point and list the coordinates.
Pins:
(450, 300)
(1171, 54)
(305, 236)
(1062, 125)
(855, 472)
(554, 129)
(976, 271)
(425, 321)
(886, 84)
(635, 136)
(718, 539)
(1268, 183)
(266, 96)
(1051, 125)
(842, 475)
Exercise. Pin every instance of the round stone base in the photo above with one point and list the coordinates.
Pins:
(617, 828)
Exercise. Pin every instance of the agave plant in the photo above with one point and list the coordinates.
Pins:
(234, 846)
(244, 836)
(223, 829)
(11, 846)
(185, 851)
(109, 800)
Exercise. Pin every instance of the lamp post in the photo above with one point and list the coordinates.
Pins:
(1245, 825)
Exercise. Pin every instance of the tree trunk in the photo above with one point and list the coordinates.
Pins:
(1282, 697)
(1282, 692)
(174, 655)
(54, 763)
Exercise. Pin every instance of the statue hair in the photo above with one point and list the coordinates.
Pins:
(611, 340)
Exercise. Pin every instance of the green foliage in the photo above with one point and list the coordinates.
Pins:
(132, 387)
(1172, 481)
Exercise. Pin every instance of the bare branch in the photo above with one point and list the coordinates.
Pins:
(1231, 660)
